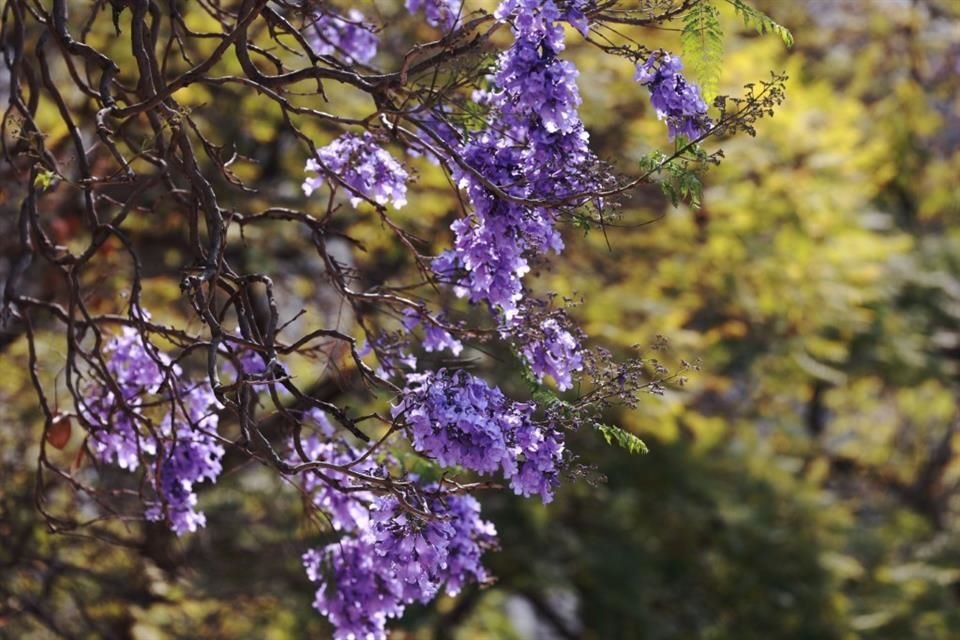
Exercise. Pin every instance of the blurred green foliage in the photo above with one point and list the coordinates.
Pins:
(803, 484)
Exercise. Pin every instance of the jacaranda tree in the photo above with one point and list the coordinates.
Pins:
(374, 395)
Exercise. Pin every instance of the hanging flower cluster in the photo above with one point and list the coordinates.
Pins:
(349, 39)
(363, 167)
(459, 420)
(405, 553)
(442, 14)
(155, 411)
(395, 549)
(675, 99)
(534, 149)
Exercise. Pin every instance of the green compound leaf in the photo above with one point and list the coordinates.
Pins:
(702, 40)
(623, 439)
(753, 17)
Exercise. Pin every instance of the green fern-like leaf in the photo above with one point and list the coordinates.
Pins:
(753, 17)
(623, 439)
(702, 40)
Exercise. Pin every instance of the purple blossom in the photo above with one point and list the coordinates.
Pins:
(536, 82)
(533, 21)
(435, 337)
(472, 536)
(675, 99)
(318, 418)
(115, 422)
(346, 510)
(537, 471)
(183, 439)
(531, 14)
(193, 458)
(251, 364)
(392, 352)
(354, 591)
(120, 443)
(438, 339)
(427, 554)
(492, 247)
(439, 13)
(193, 455)
(575, 13)
(535, 148)
(458, 419)
(349, 39)
(363, 167)
(536, 101)
(372, 574)
(555, 352)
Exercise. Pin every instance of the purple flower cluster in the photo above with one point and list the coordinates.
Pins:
(535, 148)
(332, 491)
(536, 102)
(572, 11)
(435, 338)
(439, 13)
(391, 350)
(395, 549)
(349, 39)
(251, 365)
(676, 99)
(192, 455)
(458, 419)
(115, 436)
(492, 246)
(123, 429)
(554, 352)
(353, 591)
(318, 419)
(402, 556)
(361, 165)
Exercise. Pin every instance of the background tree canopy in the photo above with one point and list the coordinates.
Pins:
(802, 483)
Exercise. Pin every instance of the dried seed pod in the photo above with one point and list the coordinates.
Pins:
(59, 430)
